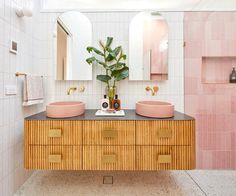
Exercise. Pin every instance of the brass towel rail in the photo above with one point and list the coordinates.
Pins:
(17, 74)
(20, 74)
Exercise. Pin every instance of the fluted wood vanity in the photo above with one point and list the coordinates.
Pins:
(110, 143)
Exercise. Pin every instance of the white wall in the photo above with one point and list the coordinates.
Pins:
(116, 24)
(24, 30)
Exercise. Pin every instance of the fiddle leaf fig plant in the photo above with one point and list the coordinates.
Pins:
(112, 60)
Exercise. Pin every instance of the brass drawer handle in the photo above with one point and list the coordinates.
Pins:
(109, 134)
(109, 158)
(164, 133)
(164, 158)
(54, 133)
(54, 158)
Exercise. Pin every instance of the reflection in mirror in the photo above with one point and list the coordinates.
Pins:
(148, 47)
(74, 34)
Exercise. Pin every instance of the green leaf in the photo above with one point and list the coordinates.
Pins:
(117, 66)
(123, 57)
(109, 41)
(113, 54)
(102, 63)
(121, 74)
(90, 49)
(90, 60)
(109, 58)
(116, 51)
(103, 78)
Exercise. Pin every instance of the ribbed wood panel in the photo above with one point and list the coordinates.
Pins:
(38, 132)
(77, 157)
(39, 157)
(148, 132)
(109, 145)
(182, 158)
(93, 132)
(93, 157)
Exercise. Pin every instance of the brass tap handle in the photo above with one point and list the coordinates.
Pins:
(71, 89)
(154, 90)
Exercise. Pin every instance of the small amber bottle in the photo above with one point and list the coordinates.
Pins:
(116, 103)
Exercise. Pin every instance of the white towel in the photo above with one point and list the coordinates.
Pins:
(33, 90)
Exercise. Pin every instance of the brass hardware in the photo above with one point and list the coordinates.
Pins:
(164, 133)
(109, 158)
(154, 89)
(54, 133)
(17, 74)
(164, 158)
(71, 89)
(82, 88)
(20, 74)
(54, 158)
(109, 134)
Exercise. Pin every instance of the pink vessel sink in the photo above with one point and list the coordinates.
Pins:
(155, 109)
(65, 109)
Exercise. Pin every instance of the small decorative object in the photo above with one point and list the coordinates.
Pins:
(232, 77)
(116, 103)
(13, 46)
(105, 103)
(113, 62)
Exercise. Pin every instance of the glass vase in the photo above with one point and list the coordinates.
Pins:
(110, 92)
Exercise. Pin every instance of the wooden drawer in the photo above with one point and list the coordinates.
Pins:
(53, 132)
(165, 132)
(53, 157)
(165, 158)
(109, 132)
(108, 157)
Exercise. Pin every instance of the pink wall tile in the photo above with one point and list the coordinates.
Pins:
(191, 85)
(221, 159)
(213, 105)
(204, 160)
(193, 67)
(233, 159)
(193, 49)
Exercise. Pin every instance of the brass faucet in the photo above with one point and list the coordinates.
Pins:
(154, 89)
(71, 89)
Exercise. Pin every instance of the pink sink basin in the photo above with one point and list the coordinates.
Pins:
(65, 109)
(155, 109)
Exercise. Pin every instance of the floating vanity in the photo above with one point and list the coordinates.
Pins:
(128, 143)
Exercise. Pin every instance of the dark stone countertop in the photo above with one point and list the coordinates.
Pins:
(90, 115)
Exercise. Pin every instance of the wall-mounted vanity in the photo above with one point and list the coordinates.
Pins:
(116, 143)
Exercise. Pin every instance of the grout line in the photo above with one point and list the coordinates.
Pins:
(196, 183)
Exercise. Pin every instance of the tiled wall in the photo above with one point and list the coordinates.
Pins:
(12, 172)
(116, 24)
(210, 43)
(35, 56)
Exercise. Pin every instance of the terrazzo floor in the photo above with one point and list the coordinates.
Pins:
(173, 183)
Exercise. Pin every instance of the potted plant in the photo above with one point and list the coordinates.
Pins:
(113, 61)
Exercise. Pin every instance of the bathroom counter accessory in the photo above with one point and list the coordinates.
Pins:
(107, 114)
(90, 143)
